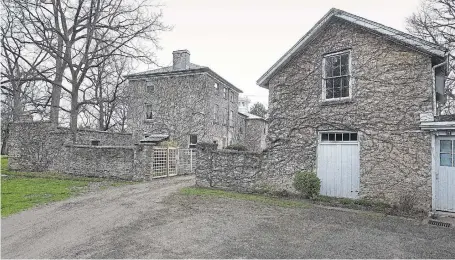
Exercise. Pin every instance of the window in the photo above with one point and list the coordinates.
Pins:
(241, 130)
(216, 86)
(338, 137)
(447, 153)
(225, 93)
(215, 113)
(337, 72)
(148, 112)
(193, 141)
(232, 96)
(225, 116)
(150, 87)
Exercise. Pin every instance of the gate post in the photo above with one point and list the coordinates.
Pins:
(191, 161)
(167, 160)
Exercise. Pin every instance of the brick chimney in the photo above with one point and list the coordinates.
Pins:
(181, 60)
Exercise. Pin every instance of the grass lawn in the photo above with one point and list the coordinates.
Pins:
(206, 192)
(23, 190)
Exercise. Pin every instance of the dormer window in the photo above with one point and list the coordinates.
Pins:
(336, 76)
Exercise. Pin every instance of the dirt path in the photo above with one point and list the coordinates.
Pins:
(150, 220)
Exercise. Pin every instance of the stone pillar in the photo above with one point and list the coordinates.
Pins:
(204, 166)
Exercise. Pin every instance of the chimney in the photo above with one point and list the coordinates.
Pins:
(181, 60)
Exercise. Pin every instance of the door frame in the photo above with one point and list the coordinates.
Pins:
(434, 162)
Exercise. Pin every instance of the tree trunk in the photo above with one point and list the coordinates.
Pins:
(74, 114)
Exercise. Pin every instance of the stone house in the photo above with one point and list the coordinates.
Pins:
(187, 102)
(357, 102)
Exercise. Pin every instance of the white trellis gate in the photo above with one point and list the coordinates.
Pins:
(169, 161)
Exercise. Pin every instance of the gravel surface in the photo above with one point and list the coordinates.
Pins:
(151, 220)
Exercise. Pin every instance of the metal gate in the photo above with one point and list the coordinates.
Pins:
(168, 161)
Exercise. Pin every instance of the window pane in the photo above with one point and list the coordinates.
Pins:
(193, 139)
(328, 67)
(331, 137)
(329, 88)
(337, 87)
(353, 136)
(325, 137)
(446, 146)
(339, 137)
(445, 159)
(345, 64)
(346, 137)
(336, 66)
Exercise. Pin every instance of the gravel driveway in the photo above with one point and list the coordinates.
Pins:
(150, 220)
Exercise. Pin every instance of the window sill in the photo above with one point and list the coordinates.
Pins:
(337, 101)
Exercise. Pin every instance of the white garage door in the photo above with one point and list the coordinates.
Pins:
(445, 175)
(339, 164)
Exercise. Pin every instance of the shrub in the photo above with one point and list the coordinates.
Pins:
(237, 147)
(307, 183)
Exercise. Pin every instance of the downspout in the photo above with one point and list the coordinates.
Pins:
(435, 110)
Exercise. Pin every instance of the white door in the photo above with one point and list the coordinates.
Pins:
(338, 164)
(445, 174)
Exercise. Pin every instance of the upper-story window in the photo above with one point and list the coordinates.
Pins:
(232, 96)
(148, 111)
(225, 92)
(150, 87)
(336, 76)
(215, 113)
(216, 86)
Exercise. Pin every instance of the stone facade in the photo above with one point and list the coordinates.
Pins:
(183, 100)
(390, 86)
(227, 169)
(255, 134)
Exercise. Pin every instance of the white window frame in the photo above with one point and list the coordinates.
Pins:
(337, 132)
(323, 97)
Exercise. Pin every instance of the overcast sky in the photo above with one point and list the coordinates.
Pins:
(241, 39)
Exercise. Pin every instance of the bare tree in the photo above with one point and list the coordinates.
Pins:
(435, 22)
(81, 35)
(106, 93)
(20, 91)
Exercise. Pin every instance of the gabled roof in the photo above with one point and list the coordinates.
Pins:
(394, 35)
(164, 70)
(250, 116)
(193, 68)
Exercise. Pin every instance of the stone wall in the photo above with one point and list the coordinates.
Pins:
(227, 169)
(255, 136)
(391, 86)
(98, 161)
(35, 145)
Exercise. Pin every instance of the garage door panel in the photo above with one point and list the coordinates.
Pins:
(338, 168)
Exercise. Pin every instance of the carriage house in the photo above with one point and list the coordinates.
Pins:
(358, 102)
